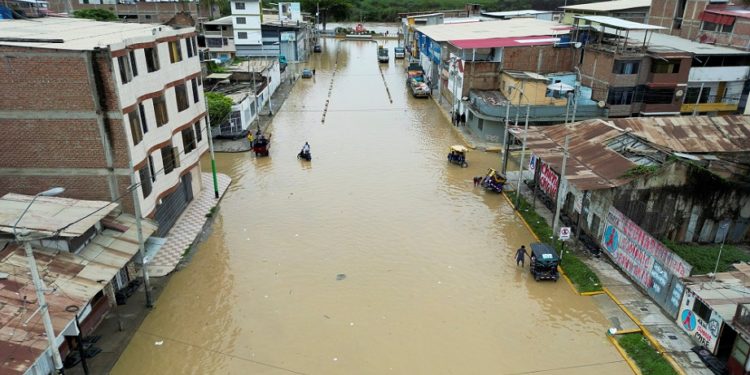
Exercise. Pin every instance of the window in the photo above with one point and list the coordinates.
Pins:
(188, 139)
(700, 309)
(214, 43)
(658, 96)
(241, 20)
(741, 349)
(182, 99)
(196, 97)
(152, 59)
(198, 132)
(160, 110)
(135, 127)
(241, 35)
(480, 124)
(151, 168)
(190, 47)
(125, 74)
(665, 67)
(239, 5)
(170, 159)
(710, 26)
(621, 95)
(175, 51)
(145, 175)
(133, 64)
(626, 67)
(142, 112)
(691, 95)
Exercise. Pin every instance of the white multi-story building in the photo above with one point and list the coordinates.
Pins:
(112, 100)
(246, 20)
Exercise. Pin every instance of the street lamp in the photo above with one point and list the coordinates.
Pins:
(716, 267)
(48, 329)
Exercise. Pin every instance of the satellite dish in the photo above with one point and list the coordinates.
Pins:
(679, 93)
(578, 45)
(601, 104)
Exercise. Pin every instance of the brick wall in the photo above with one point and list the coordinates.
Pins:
(37, 79)
(41, 143)
(553, 60)
(81, 187)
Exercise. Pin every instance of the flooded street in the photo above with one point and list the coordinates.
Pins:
(378, 257)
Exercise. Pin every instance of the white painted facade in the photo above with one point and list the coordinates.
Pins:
(246, 20)
(145, 83)
(719, 74)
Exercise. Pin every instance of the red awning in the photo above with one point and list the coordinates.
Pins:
(721, 19)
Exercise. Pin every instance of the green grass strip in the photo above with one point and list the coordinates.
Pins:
(578, 272)
(703, 257)
(645, 356)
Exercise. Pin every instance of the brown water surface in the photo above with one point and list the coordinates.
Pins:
(378, 257)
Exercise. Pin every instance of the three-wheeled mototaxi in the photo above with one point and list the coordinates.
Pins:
(544, 262)
(457, 155)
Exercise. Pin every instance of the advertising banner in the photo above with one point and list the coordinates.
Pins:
(704, 332)
(548, 181)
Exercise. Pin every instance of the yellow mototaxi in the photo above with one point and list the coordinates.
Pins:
(494, 181)
(457, 155)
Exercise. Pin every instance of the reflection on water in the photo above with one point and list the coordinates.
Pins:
(430, 286)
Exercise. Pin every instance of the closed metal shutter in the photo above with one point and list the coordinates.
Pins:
(173, 204)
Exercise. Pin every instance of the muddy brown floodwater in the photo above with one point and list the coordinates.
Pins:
(378, 257)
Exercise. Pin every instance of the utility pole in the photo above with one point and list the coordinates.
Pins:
(575, 94)
(523, 153)
(139, 230)
(698, 100)
(209, 133)
(44, 308)
(556, 220)
(505, 136)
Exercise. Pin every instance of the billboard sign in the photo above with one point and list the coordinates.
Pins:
(290, 12)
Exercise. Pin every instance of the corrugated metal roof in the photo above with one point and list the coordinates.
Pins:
(682, 44)
(605, 6)
(517, 13)
(512, 28)
(49, 214)
(220, 21)
(76, 279)
(618, 23)
(692, 134)
(590, 165)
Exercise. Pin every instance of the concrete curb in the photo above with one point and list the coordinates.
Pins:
(624, 354)
(641, 329)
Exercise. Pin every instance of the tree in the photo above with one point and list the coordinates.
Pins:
(96, 14)
(337, 10)
(219, 107)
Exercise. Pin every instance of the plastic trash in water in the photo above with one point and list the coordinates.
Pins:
(159, 343)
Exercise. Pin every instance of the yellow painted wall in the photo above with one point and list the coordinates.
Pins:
(535, 91)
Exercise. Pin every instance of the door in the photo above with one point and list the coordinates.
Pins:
(172, 205)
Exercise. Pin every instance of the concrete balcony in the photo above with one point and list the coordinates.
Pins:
(710, 107)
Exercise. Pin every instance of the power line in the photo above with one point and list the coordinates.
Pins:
(223, 353)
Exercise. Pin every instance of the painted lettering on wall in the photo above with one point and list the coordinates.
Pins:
(621, 235)
(705, 333)
(548, 181)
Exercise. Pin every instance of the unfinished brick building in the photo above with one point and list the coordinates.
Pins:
(94, 106)
(708, 21)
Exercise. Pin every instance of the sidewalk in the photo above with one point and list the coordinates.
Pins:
(121, 323)
(188, 227)
(471, 140)
(277, 99)
(627, 302)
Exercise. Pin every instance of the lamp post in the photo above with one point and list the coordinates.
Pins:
(718, 258)
(48, 329)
